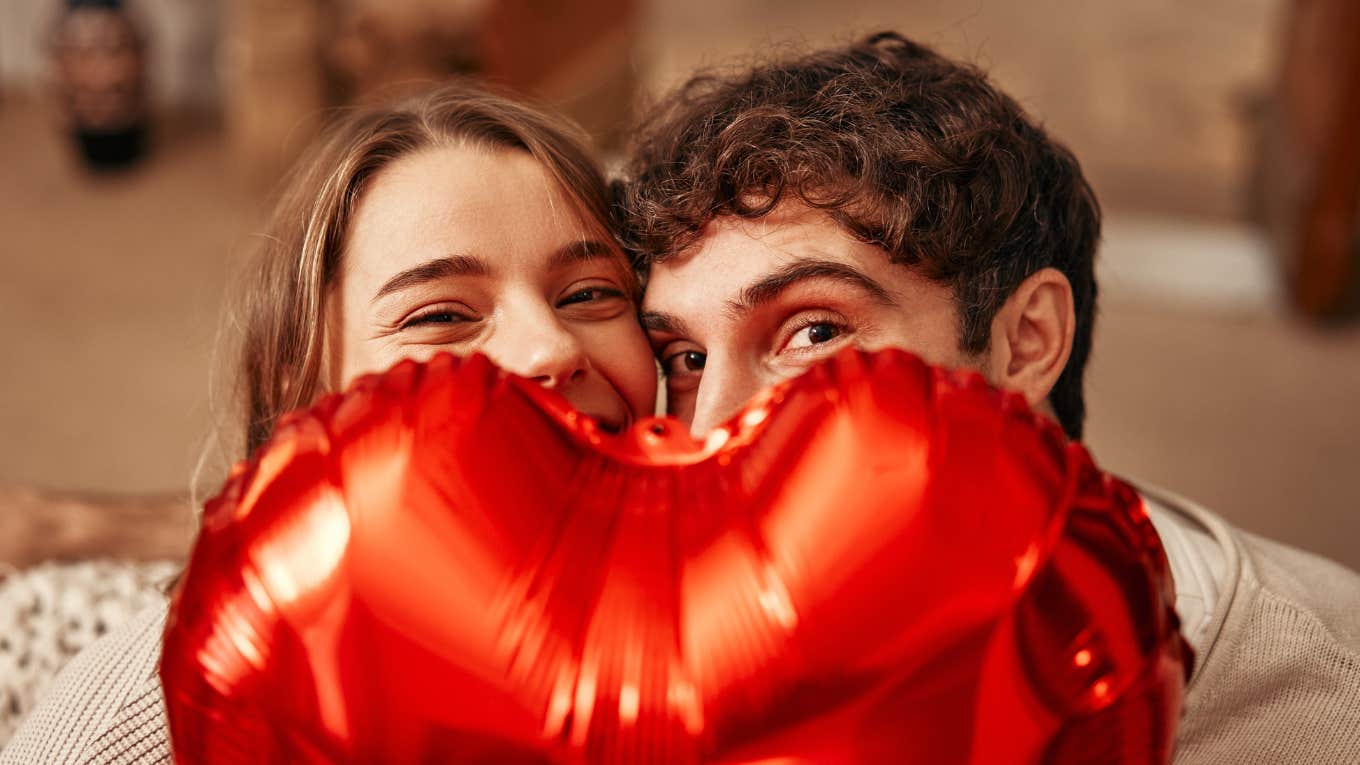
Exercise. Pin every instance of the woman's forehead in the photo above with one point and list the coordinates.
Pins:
(460, 200)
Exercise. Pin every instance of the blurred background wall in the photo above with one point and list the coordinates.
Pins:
(1205, 379)
(183, 65)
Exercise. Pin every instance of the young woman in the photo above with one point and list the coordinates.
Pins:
(460, 221)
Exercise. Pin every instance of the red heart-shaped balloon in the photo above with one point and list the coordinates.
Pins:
(876, 562)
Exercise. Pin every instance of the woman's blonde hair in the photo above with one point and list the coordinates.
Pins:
(282, 315)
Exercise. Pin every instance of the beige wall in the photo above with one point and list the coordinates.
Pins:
(182, 36)
(1153, 96)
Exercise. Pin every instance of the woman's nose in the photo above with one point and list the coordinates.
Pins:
(540, 349)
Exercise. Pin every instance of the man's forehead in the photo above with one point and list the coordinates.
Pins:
(727, 257)
(734, 252)
(788, 223)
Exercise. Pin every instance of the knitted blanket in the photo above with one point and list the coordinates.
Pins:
(50, 612)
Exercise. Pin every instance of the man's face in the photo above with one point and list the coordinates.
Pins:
(754, 302)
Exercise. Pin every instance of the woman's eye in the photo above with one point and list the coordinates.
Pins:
(590, 295)
(436, 318)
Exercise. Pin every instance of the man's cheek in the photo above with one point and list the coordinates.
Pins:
(933, 347)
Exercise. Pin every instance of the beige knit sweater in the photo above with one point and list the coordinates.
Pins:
(1277, 681)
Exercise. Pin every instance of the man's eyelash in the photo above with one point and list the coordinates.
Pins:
(842, 326)
(812, 322)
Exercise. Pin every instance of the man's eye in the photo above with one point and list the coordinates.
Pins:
(816, 333)
(684, 363)
(822, 333)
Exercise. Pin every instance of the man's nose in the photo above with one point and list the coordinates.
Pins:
(723, 390)
(539, 348)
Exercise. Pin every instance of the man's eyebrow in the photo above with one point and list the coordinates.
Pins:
(772, 285)
(432, 270)
(656, 321)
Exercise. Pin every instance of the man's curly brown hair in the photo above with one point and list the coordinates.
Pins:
(905, 149)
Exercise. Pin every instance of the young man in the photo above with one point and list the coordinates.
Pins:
(881, 195)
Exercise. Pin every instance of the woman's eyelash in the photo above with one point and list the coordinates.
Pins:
(444, 316)
(598, 292)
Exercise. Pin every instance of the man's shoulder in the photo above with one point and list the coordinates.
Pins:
(105, 706)
(1249, 566)
(1323, 589)
(1278, 675)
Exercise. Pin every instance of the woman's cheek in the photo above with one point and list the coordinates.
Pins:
(623, 355)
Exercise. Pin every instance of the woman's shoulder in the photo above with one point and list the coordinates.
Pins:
(105, 706)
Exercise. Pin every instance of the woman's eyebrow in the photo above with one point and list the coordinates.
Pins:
(432, 270)
(593, 250)
(773, 284)
(576, 252)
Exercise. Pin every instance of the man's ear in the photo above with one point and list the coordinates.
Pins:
(1032, 337)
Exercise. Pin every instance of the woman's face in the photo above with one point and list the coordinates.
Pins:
(472, 249)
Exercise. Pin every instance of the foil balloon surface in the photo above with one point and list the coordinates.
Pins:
(877, 562)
